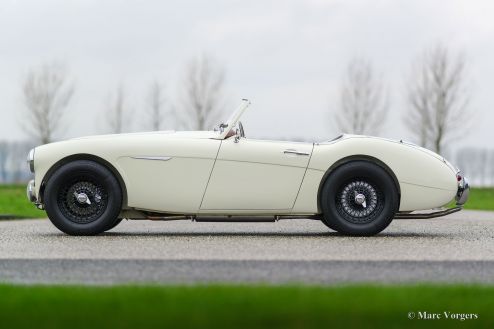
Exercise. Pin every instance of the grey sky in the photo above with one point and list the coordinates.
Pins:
(288, 57)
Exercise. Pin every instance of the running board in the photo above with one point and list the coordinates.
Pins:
(239, 219)
(252, 219)
(426, 215)
(225, 218)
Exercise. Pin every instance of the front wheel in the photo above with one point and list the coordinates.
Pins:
(83, 198)
(359, 198)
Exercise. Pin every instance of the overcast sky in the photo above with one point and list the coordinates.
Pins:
(287, 57)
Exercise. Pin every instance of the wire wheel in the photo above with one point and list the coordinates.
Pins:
(82, 200)
(359, 201)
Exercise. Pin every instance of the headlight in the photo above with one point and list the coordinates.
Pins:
(30, 160)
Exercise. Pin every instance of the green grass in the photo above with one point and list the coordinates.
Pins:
(13, 201)
(481, 199)
(241, 306)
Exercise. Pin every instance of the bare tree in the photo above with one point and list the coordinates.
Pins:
(364, 104)
(437, 97)
(46, 92)
(117, 113)
(156, 105)
(203, 95)
(16, 165)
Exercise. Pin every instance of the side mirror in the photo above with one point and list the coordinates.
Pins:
(237, 135)
(241, 128)
(239, 132)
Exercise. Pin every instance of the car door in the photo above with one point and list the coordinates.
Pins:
(256, 175)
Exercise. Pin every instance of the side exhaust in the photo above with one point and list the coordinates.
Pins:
(426, 215)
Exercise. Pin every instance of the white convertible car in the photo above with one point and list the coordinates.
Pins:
(355, 185)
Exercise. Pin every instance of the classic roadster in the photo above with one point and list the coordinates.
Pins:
(354, 184)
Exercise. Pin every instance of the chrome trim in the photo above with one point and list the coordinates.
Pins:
(290, 151)
(250, 219)
(154, 158)
(433, 214)
(463, 192)
(82, 198)
(30, 191)
(234, 219)
(222, 127)
(360, 199)
(30, 160)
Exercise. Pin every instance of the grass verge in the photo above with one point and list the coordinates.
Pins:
(13, 201)
(360, 306)
(481, 199)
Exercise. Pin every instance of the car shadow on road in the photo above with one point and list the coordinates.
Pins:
(274, 235)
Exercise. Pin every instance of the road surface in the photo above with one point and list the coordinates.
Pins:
(456, 248)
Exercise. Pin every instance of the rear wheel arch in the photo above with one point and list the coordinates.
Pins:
(88, 157)
(352, 158)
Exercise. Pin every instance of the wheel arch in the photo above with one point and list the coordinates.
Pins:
(353, 158)
(89, 157)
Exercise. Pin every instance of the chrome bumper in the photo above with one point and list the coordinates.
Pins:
(31, 196)
(463, 192)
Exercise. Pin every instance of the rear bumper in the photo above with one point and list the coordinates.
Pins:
(461, 197)
(463, 192)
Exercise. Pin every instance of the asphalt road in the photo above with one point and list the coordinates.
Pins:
(456, 248)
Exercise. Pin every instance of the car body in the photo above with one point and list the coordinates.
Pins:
(221, 175)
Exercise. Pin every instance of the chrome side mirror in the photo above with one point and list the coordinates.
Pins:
(241, 128)
(239, 132)
(237, 135)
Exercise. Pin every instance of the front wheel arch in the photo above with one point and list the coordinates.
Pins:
(88, 157)
(352, 158)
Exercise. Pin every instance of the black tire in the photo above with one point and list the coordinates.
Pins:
(343, 205)
(114, 225)
(96, 183)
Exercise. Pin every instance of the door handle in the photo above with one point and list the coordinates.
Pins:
(295, 152)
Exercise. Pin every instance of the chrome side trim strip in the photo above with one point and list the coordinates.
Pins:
(155, 158)
(290, 151)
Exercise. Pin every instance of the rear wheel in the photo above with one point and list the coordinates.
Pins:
(83, 198)
(116, 223)
(359, 198)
